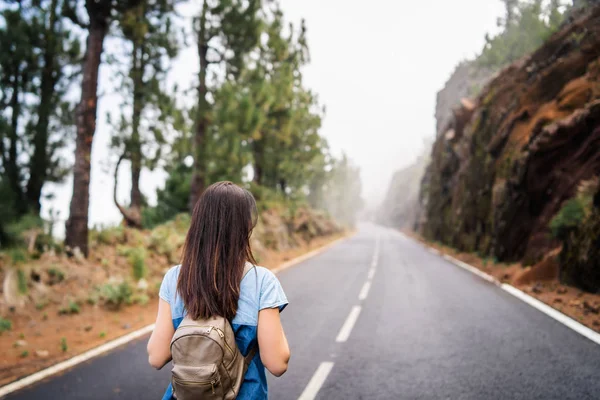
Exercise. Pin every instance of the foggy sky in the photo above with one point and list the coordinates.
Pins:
(376, 66)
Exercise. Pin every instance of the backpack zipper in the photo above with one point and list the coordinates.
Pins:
(192, 383)
(222, 336)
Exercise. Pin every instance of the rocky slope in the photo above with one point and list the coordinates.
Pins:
(514, 173)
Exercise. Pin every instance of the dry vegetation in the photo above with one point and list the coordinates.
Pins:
(54, 306)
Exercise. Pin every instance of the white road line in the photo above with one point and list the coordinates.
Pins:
(371, 273)
(62, 366)
(364, 292)
(317, 380)
(108, 346)
(532, 301)
(551, 312)
(348, 325)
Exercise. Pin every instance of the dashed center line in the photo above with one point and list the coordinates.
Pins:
(371, 273)
(364, 291)
(317, 380)
(348, 325)
(320, 375)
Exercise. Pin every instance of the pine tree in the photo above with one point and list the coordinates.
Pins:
(148, 29)
(226, 31)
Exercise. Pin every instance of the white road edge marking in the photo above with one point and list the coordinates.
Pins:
(62, 366)
(532, 301)
(364, 292)
(317, 380)
(371, 273)
(551, 312)
(348, 325)
(88, 355)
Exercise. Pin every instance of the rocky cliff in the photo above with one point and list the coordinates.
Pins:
(508, 166)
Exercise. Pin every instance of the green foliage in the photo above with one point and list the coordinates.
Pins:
(56, 274)
(5, 325)
(24, 354)
(137, 259)
(18, 255)
(71, 308)
(172, 199)
(34, 71)
(22, 282)
(166, 239)
(107, 236)
(149, 109)
(116, 295)
(525, 28)
(141, 299)
(63, 345)
(570, 216)
(102, 334)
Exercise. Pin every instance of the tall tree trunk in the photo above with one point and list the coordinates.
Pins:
(39, 162)
(11, 167)
(77, 224)
(135, 148)
(199, 173)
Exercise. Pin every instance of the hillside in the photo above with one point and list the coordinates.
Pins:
(54, 306)
(515, 174)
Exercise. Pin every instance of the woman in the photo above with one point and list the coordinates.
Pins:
(207, 283)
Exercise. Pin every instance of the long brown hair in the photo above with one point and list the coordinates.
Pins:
(216, 249)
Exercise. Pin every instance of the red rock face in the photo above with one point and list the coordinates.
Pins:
(513, 159)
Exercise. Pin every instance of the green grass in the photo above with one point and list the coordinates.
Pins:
(116, 295)
(63, 345)
(5, 325)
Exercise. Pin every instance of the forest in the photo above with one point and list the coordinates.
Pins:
(247, 117)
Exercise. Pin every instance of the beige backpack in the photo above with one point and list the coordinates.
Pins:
(207, 363)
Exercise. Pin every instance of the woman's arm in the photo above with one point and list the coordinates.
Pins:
(272, 343)
(159, 345)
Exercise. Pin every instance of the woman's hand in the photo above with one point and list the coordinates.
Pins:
(272, 343)
(159, 345)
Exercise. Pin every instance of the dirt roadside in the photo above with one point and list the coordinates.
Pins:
(43, 337)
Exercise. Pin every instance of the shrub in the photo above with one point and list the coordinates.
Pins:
(137, 258)
(5, 325)
(141, 299)
(71, 308)
(115, 295)
(18, 255)
(22, 281)
(569, 217)
(108, 236)
(24, 353)
(102, 334)
(56, 274)
(63, 345)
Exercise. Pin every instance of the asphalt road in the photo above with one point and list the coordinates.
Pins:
(423, 329)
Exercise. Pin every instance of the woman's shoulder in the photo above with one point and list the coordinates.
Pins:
(168, 287)
(267, 288)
